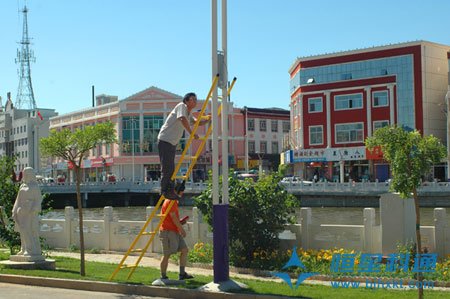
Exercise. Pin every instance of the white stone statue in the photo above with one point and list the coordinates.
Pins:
(26, 215)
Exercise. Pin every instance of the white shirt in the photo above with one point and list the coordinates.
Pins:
(172, 129)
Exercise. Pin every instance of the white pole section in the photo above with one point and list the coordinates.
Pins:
(214, 110)
(225, 199)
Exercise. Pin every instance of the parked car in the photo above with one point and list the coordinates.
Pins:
(111, 178)
(243, 176)
(294, 180)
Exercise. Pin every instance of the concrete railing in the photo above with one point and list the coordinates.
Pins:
(116, 187)
(365, 188)
(117, 235)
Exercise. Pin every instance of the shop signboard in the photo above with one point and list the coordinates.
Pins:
(310, 155)
(346, 154)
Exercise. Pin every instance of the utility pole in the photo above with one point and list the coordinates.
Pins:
(25, 56)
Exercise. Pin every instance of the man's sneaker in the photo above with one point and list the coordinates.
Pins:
(185, 276)
(164, 277)
(171, 195)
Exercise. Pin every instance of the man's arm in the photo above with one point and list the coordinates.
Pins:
(177, 223)
(186, 125)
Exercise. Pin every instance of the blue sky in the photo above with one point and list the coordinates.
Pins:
(125, 46)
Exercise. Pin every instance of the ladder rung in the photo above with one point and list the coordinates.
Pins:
(148, 233)
(161, 215)
(137, 250)
(194, 158)
(128, 266)
(183, 177)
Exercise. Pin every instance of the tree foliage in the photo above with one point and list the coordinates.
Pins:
(8, 194)
(409, 154)
(258, 212)
(74, 146)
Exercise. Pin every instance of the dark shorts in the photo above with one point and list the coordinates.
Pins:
(172, 242)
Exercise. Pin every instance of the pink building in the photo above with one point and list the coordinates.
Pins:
(138, 119)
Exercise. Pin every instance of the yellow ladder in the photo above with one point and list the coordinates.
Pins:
(193, 159)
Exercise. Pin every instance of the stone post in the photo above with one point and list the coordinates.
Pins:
(306, 221)
(68, 215)
(440, 225)
(398, 222)
(369, 224)
(196, 219)
(107, 219)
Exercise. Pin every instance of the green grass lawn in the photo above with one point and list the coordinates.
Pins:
(69, 268)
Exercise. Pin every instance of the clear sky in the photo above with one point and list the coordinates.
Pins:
(125, 46)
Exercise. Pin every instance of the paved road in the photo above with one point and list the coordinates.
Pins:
(18, 291)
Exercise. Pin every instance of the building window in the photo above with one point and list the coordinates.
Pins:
(379, 124)
(349, 133)
(152, 125)
(262, 125)
(347, 76)
(380, 98)
(315, 105)
(275, 147)
(348, 101)
(251, 147)
(286, 126)
(274, 125)
(315, 135)
(25, 128)
(263, 147)
(130, 135)
(251, 124)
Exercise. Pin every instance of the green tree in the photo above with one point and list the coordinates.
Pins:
(258, 212)
(73, 146)
(8, 194)
(410, 156)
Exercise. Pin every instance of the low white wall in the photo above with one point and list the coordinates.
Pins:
(117, 235)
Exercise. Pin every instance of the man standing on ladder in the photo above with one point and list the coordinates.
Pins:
(179, 119)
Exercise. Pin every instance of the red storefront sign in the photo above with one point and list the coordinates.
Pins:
(375, 154)
(101, 162)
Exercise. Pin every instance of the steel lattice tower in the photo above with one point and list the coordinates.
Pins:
(25, 94)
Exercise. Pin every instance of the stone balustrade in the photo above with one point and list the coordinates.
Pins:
(116, 235)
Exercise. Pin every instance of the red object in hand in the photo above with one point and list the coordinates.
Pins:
(184, 219)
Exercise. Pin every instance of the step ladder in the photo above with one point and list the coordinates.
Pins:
(144, 233)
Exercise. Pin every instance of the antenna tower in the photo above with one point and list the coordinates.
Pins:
(25, 94)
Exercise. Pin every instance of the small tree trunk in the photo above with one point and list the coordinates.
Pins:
(80, 216)
(418, 242)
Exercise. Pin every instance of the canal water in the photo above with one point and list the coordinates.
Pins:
(349, 216)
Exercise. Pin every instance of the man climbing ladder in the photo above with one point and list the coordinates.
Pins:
(179, 119)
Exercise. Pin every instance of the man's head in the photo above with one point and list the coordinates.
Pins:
(190, 99)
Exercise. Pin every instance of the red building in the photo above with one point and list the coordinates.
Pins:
(339, 99)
